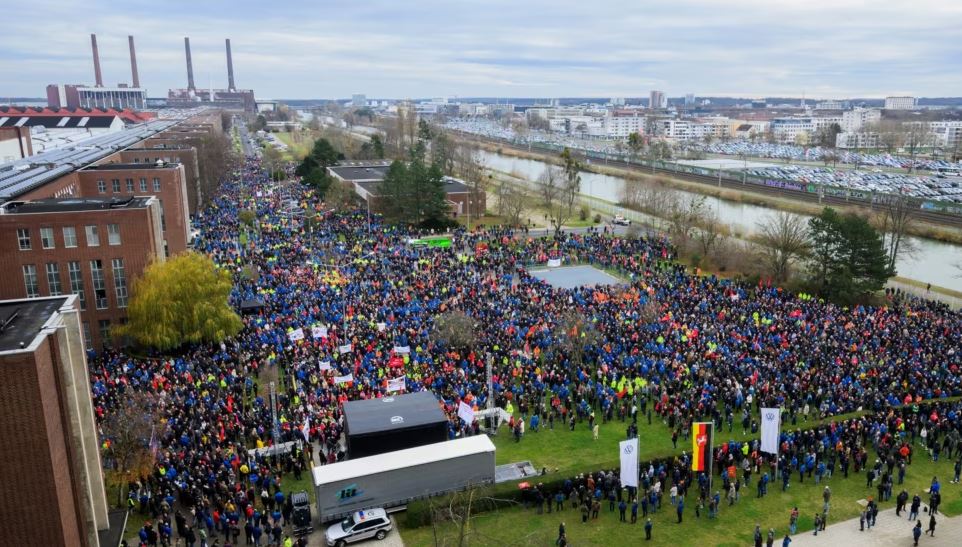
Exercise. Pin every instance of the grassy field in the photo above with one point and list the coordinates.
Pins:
(572, 452)
(300, 144)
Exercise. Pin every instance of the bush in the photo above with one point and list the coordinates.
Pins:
(597, 218)
(583, 213)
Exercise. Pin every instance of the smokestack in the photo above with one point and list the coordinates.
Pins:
(97, 75)
(190, 66)
(230, 68)
(133, 62)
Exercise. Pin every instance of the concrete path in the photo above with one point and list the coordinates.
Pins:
(393, 539)
(889, 531)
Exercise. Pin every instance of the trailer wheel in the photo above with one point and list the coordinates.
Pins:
(381, 534)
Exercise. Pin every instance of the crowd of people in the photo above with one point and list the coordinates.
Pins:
(346, 304)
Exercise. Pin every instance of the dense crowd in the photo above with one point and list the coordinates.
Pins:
(350, 304)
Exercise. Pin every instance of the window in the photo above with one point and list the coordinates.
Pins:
(77, 283)
(113, 234)
(69, 236)
(53, 279)
(93, 236)
(156, 184)
(143, 184)
(103, 325)
(100, 285)
(120, 282)
(130, 185)
(46, 238)
(23, 238)
(101, 187)
(88, 341)
(115, 185)
(30, 280)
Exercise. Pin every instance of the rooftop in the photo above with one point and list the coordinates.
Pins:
(58, 122)
(131, 166)
(451, 186)
(69, 205)
(22, 176)
(21, 320)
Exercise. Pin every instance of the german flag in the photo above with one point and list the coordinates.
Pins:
(701, 444)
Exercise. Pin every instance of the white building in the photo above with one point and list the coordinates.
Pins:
(792, 130)
(900, 103)
(619, 127)
(358, 100)
(830, 105)
(858, 118)
(947, 134)
(658, 99)
(857, 139)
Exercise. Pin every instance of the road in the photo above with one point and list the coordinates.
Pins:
(245, 137)
(889, 531)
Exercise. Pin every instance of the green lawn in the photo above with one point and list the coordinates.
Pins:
(519, 526)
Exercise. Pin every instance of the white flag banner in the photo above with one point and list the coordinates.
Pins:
(296, 334)
(554, 262)
(629, 462)
(465, 412)
(346, 348)
(381, 327)
(771, 423)
(319, 332)
(306, 428)
(402, 350)
(396, 384)
(325, 365)
(343, 379)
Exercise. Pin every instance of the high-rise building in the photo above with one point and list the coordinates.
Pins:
(900, 103)
(690, 99)
(51, 482)
(658, 100)
(358, 100)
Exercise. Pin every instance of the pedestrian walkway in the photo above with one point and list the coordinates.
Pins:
(889, 530)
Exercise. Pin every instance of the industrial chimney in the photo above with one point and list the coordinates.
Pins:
(97, 75)
(133, 62)
(230, 68)
(190, 66)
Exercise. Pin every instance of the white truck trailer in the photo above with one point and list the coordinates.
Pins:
(396, 478)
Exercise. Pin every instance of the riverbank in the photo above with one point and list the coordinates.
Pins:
(922, 229)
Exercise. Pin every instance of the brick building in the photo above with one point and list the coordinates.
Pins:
(92, 247)
(51, 483)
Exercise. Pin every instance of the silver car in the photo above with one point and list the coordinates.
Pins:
(373, 523)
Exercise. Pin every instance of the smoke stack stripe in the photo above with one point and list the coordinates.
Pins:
(133, 63)
(97, 75)
(230, 68)
(190, 66)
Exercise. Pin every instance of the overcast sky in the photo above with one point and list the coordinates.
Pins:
(498, 48)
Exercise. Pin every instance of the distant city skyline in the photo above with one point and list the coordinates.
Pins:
(497, 48)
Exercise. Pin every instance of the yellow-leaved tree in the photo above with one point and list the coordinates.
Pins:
(180, 301)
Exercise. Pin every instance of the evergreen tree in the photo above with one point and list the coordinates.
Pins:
(847, 259)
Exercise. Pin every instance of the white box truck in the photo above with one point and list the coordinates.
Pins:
(396, 478)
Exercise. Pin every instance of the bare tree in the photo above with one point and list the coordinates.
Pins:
(708, 232)
(683, 216)
(129, 430)
(784, 239)
(340, 195)
(916, 136)
(515, 200)
(893, 221)
(456, 329)
(556, 196)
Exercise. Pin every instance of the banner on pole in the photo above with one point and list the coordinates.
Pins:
(381, 327)
(629, 462)
(319, 332)
(701, 445)
(465, 412)
(346, 348)
(344, 379)
(771, 424)
(395, 385)
(296, 334)
(401, 350)
(325, 365)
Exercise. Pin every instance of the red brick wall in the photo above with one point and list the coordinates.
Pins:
(137, 246)
(37, 496)
(62, 187)
(186, 156)
(172, 194)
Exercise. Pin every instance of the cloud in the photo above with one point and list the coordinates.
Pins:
(501, 48)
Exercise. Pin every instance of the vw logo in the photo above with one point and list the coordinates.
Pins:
(770, 416)
(629, 449)
(397, 419)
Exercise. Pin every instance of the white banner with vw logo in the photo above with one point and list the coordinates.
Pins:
(629, 462)
(771, 423)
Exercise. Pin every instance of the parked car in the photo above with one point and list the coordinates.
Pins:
(621, 221)
(373, 523)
